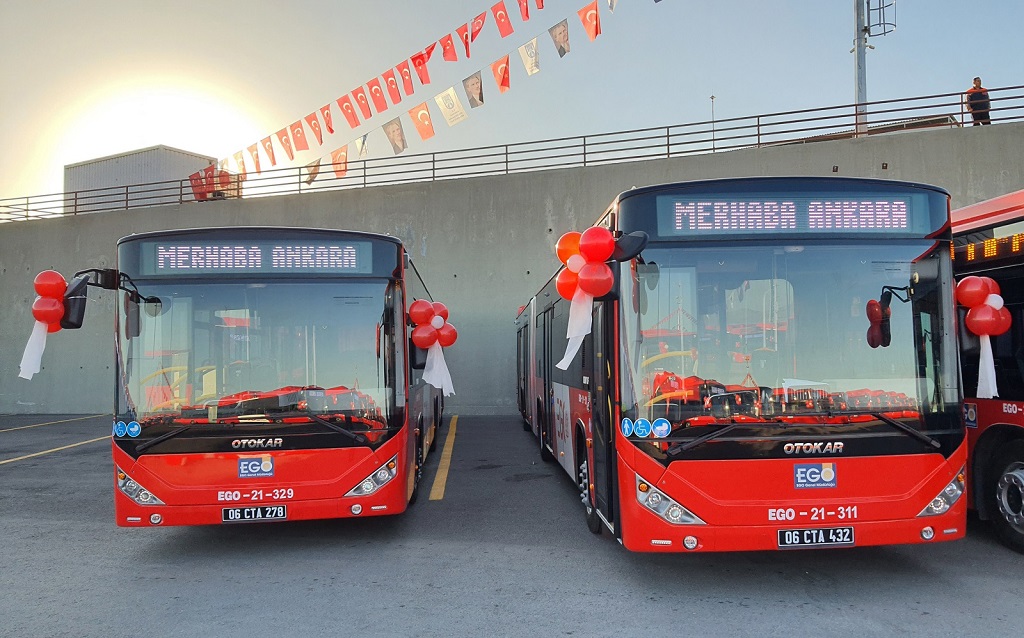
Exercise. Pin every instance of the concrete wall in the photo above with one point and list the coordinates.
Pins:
(483, 245)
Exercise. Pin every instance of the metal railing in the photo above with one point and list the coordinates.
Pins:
(944, 110)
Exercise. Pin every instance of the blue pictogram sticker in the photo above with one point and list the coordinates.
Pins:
(627, 427)
(661, 428)
(642, 427)
(134, 429)
(120, 429)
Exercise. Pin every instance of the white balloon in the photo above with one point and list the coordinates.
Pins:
(437, 322)
(995, 301)
(576, 263)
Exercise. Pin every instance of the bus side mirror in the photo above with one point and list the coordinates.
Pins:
(132, 328)
(417, 357)
(75, 298)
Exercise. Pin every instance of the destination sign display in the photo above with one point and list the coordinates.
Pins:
(723, 214)
(254, 256)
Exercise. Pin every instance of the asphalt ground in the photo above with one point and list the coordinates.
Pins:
(502, 550)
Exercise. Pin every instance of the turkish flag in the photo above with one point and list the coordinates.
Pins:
(421, 118)
(501, 17)
(349, 111)
(286, 142)
(339, 159)
(463, 32)
(391, 82)
(198, 185)
(403, 70)
(419, 61)
(591, 20)
(299, 137)
(364, 106)
(268, 148)
(500, 70)
(254, 153)
(240, 165)
(540, 4)
(478, 24)
(325, 112)
(448, 48)
(377, 95)
(314, 125)
(210, 176)
(524, 9)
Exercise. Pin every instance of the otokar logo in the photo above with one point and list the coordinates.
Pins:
(810, 475)
(254, 467)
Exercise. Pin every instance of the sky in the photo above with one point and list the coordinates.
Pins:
(82, 80)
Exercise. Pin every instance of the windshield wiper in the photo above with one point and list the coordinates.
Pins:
(899, 425)
(679, 448)
(358, 438)
(163, 437)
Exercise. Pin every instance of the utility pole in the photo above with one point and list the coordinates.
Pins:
(712, 122)
(860, 46)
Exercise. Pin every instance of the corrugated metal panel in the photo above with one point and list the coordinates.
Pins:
(145, 177)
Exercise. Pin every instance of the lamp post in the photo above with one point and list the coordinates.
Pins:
(712, 122)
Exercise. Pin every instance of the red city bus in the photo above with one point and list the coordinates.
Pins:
(775, 369)
(265, 374)
(989, 241)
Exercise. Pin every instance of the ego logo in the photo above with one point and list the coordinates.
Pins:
(971, 415)
(253, 467)
(808, 475)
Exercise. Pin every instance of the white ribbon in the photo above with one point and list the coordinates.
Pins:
(581, 321)
(33, 357)
(986, 370)
(435, 372)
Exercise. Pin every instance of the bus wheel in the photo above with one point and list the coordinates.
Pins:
(419, 468)
(1008, 494)
(583, 481)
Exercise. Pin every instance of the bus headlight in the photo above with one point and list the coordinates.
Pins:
(134, 491)
(947, 497)
(377, 479)
(667, 509)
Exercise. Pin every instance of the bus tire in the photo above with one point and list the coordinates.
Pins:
(419, 467)
(583, 482)
(1006, 494)
(545, 453)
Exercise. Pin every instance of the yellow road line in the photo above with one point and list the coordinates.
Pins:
(441, 478)
(35, 425)
(56, 449)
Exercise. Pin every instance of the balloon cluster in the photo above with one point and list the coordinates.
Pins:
(48, 308)
(584, 255)
(878, 332)
(432, 325)
(986, 315)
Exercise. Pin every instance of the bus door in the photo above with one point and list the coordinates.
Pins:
(598, 370)
(545, 416)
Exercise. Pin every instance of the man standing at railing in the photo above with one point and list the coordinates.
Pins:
(977, 103)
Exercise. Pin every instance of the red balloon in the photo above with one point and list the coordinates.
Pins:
(53, 327)
(50, 283)
(597, 244)
(566, 283)
(875, 335)
(440, 310)
(1002, 321)
(982, 320)
(47, 309)
(567, 246)
(993, 287)
(972, 291)
(424, 336)
(421, 312)
(447, 335)
(596, 279)
(874, 311)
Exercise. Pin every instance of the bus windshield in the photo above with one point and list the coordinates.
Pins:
(779, 334)
(233, 351)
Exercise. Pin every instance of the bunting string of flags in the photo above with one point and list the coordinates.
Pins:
(395, 85)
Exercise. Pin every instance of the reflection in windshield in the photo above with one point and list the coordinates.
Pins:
(780, 334)
(249, 352)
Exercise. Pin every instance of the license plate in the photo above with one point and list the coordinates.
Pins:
(254, 514)
(816, 537)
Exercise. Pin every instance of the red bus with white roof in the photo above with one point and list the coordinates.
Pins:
(989, 242)
(773, 366)
(266, 374)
